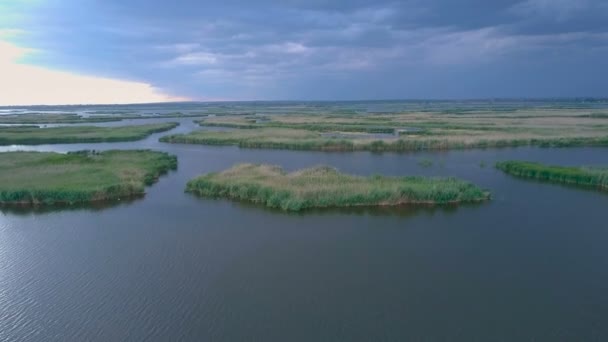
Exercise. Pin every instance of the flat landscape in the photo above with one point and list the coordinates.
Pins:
(593, 177)
(370, 246)
(43, 178)
(33, 135)
(304, 171)
(414, 129)
(322, 187)
(44, 118)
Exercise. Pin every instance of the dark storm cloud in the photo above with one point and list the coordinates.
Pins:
(327, 49)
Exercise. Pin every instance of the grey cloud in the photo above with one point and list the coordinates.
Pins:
(236, 46)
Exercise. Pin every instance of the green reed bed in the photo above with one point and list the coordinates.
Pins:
(292, 139)
(322, 187)
(583, 176)
(315, 127)
(272, 138)
(79, 177)
(78, 134)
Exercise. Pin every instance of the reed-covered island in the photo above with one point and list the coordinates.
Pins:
(44, 178)
(404, 131)
(323, 187)
(581, 176)
(32, 135)
(297, 139)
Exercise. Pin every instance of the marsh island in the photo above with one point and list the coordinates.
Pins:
(32, 135)
(407, 130)
(581, 176)
(322, 186)
(78, 177)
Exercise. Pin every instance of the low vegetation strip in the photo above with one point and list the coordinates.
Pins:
(294, 139)
(421, 128)
(78, 177)
(321, 187)
(78, 134)
(317, 127)
(36, 118)
(275, 138)
(583, 176)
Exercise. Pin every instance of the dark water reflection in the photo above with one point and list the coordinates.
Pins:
(94, 206)
(531, 264)
(400, 210)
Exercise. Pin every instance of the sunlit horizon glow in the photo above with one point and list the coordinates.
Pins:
(23, 84)
(149, 51)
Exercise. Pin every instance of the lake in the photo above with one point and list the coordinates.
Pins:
(531, 264)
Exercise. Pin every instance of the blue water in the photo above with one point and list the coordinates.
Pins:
(530, 265)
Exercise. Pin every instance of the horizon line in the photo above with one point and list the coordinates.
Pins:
(553, 98)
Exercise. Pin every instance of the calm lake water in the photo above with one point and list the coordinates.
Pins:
(531, 265)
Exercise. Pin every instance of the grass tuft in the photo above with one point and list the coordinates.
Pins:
(297, 139)
(323, 186)
(78, 177)
(583, 176)
(78, 134)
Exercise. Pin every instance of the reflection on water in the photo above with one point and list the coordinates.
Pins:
(403, 211)
(531, 264)
(23, 209)
(586, 187)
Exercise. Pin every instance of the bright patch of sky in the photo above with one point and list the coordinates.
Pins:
(116, 51)
(24, 84)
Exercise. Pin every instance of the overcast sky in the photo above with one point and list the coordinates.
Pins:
(87, 51)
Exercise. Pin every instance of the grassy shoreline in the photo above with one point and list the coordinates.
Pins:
(406, 131)
(290, 139)
(316, 127)
(79, 134)
(325, 187)
(580, 176)
(42, 119)
(35, 118)
(47, 178)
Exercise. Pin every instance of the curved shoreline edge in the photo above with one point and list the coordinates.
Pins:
(29, 135)
(579, 176)
(48, 178)
(311, 141)
(326, 187)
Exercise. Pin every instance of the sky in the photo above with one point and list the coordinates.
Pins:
(129, 51)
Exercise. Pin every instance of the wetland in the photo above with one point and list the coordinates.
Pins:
(531, 263)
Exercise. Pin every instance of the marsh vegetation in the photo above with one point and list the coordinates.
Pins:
(32, 135)
(406, 131)
(43, 118)
(321, 187)
(582, 176)
(292, 139)
(79, 177)
(47, 118)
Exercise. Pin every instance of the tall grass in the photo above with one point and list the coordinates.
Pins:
(292, 139)
(51, 178)
(78, 134)
(584, 176)
(323, 186)
(315, 127)
(433, 127)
